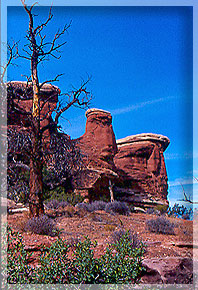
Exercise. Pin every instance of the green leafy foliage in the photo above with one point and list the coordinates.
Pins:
(18, 270)
(121, 263)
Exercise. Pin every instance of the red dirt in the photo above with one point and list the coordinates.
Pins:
(100, 226)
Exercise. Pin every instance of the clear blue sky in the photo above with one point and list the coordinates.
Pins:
(140, 60)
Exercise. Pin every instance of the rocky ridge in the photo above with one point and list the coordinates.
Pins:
(131, 169)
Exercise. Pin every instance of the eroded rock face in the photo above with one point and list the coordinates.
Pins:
(142, 170)
(20, 99)
(98, 144)
(99, 140)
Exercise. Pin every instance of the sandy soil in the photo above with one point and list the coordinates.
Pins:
(100, 226)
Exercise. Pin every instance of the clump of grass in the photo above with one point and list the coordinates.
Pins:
(160, 225)
(42, 225)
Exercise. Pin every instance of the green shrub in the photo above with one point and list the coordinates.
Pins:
(160, 225)
(18, 269)
(55, 265)
(121, 263)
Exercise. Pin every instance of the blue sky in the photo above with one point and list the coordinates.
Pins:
(140, 60)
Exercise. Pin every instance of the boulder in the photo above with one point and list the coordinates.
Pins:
(142, 170)
(171, 270)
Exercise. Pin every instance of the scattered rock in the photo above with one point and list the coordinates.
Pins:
(171, 270)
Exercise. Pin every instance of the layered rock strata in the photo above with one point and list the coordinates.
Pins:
(98, 145)
(142, 170)
(20, 103)
(132, 170)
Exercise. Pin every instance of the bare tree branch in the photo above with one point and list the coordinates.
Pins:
(186, 198)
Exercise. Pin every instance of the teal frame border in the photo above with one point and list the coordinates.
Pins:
(191, 3)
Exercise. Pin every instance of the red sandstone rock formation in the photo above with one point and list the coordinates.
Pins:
(20, 96)
(135, 165)
(99, 147)
(143, 177)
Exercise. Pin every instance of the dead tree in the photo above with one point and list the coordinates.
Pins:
(37, 50)
(188, 198)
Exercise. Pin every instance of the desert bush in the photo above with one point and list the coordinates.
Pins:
(55, 204)
(42, 225)
(90, 207)
(180, 211)
(132, 235)
(153, 211)
(121, 263)
(110, 207)
(98, 205)
(160, 225)
(73, 198)
(55, 265)
(18, 268)
(123, 267)
(117, 207)
(84, 206)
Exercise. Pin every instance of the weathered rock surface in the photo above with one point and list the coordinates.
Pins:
(171, 270)
(133, 168)
(98, 145)
(143, 177)
(20, 99)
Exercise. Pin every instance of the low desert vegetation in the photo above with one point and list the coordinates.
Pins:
(110, 207)
(121, 263)
(180, 211)
(132, 236)
(42, 225)
(55, 204)
(160, 225)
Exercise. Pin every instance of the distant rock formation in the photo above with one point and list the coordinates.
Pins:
(131, 169)
(143, 177)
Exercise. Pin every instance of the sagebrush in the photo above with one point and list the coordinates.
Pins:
(160, 225)
(42, 225)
